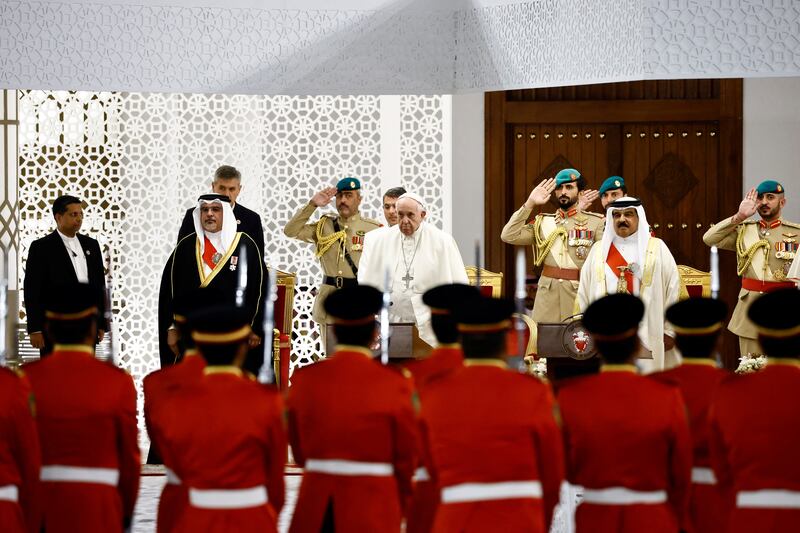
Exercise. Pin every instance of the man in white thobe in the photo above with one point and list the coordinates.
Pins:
(418, 257)
(630, 260)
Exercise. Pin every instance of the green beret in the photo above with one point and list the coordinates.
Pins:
(348, 184)
(769, 186)
(568, 175)
(611, 184)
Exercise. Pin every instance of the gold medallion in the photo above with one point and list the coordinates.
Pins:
(581, 252)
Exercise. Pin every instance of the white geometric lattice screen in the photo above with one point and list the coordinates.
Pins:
(139, 160)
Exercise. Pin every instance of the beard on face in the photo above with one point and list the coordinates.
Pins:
(565, 201)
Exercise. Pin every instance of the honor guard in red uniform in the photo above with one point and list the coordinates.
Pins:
(492, 433)
(86, 415)
(352, 428)
(697, 323)
(626, 437)
(20, 458)
(224, 434)
(158, 386)
(443, 359)
(754, 434)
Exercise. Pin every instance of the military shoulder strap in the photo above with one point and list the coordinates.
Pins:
(345, 250)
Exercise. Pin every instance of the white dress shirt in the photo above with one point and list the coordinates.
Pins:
(77, 256)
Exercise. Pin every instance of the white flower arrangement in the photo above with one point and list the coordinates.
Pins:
(536, 367)
(751, 363)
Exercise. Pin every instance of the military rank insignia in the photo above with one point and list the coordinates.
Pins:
(358, 241)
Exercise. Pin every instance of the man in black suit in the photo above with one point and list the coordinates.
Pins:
(62, 258)
(228, 182)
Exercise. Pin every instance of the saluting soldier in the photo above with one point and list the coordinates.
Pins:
(612, 189)
(754, 435)
(561, 242)
(764, 250)
(339, 240)
(697, 323)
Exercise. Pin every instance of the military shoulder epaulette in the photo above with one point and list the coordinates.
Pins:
(749, 221)
(546, 215)
(330, 215)
(372, 221)
(794, 225)
(598, 215)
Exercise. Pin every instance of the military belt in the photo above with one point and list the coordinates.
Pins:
(768, 499)
(9, 493)
(339, 281)
(571, 274)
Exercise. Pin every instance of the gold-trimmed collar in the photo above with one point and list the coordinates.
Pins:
(618, 368)
(353, 348)
(698, 361)
(223, 369)
(81, 348)
(486, 362)
(782, 361)
(206, 280)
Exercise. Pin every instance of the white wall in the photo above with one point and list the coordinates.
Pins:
(772, 137)
(467, 168)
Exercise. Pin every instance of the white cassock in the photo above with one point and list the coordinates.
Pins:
(426, 259)
(658, 284)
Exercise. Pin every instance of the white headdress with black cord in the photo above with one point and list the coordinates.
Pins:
(229, 227)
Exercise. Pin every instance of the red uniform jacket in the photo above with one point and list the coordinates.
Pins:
(158, 387)
(624, 430)
(225, 432)
(349, 407)
(425, 500)
(486, 424)
(755, 438)
(20, 458)
(86, 415)
(697, 380)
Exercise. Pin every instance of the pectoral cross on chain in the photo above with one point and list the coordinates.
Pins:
(407, 278)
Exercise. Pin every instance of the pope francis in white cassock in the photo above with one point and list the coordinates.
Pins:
(629, 259)
(419, 257)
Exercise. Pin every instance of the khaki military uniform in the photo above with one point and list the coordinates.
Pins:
(763, 258)
(561, 242)
(330, 249)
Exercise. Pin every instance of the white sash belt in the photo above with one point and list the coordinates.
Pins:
(703, 476)
(9, 493)
(228, 498)
(768, 499)
(81, 474)
(421, 474)
(172, 477)
(481, 492)
(343, 467)
(623, 496)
